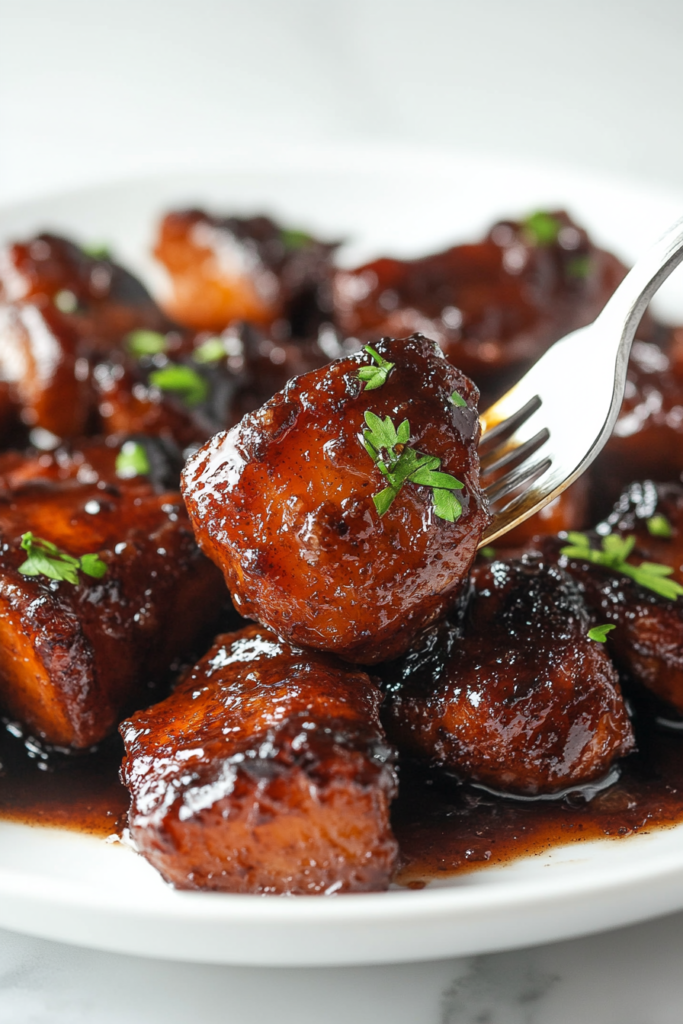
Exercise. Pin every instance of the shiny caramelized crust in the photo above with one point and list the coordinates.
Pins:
(283, 505)
(519, 698)
(491, 306)
(266, 771)
(224, 269)
(60, 310)
(73, 659)
(647, 643)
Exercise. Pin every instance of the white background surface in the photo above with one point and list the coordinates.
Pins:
(91, 90)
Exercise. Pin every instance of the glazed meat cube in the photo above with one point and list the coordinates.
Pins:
(74, 658)
(518, 697)
(60, 310)
(492, 306)
(266, 771)
(648, 436)
(647, 643)
(313, 539)
(224, 269)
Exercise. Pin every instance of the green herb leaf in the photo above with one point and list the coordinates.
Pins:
(458, 400)
(97, 252)
(387, 447)
(182, 380)
(66, 301)
(487, 552)
(145, 343)
(541, 228)
(293, 239)
(210, 351)
(615, 551)
(579, 267)
(375, 376)
(659, 526)
(46, 559)
(599, 633)
(132, 461)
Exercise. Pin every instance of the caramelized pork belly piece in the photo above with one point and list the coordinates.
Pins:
(648, 436)
(517, 697)
(283, 503)
(224, 269)
(74, 658)
(647, 643)
(492, 306)
(266, 771)
(60, 310)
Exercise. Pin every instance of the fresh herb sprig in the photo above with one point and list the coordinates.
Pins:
(189, 385)
(132, 461)
(659, 526)
(210, 351)
(388, 448)
(613, 555)
(541, 228)
(599, 633)
(145, 343)
(375, 376)
(457, 400)
(46, 559)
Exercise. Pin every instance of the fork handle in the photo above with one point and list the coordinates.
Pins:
(624, 310)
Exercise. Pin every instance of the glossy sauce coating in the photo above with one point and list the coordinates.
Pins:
(517, 697)
(491, 306)
(224, 269)
(266, 771)
(283, 504)
(73, 659)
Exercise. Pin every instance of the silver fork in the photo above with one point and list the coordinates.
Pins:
(543, 433)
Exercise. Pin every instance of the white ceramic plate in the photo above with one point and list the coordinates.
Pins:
(79, 889)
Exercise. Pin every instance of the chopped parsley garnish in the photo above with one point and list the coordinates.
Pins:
(599, 633)
(458, 400)
(210, 351)
(399, 464)
(579, 267)
(293, 239)
(541, 228)
(182, 380)
(659, 526)
(145, 343)
(132, 461)
(375, 376)
(615, 551)
(488, 552)
(46, 559)
(97, 252)
(66, 301)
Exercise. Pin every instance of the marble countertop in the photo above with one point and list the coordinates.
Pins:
(630, 976)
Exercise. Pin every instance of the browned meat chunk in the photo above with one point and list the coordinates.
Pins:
(647, 643)
(224, 269)
(266, 771)
(517, 698)
(493, 306)
(74, 658)
(648, 436)
(314, 541)
(60, 310)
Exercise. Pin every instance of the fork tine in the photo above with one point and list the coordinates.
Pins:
(524, 474)
(502, 455)
(506, 427)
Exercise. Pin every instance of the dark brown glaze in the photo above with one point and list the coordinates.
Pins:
(224, 269)
(492, 306)
(60, 309)
(73, 659)
(283, 505)
(266, 771)
(648, 436)
(647, 643)
(517, 697)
